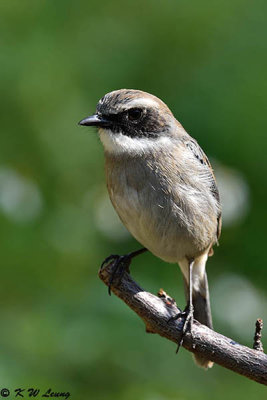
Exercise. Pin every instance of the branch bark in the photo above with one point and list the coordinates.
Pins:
(156, 313)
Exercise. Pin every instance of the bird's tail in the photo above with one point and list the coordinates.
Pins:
(201, 301)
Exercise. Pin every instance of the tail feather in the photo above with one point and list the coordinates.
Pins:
(201, 304)
(202, 313)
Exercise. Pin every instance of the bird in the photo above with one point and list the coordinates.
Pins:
(163, 188)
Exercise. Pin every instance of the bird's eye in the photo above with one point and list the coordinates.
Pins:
(134, 114)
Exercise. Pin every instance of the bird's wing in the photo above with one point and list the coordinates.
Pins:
(199, 154)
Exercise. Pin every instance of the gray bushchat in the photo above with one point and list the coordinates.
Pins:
(163, 188)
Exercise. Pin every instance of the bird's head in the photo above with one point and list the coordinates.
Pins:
(132, 120)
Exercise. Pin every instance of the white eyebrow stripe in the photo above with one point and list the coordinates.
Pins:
(142, 101)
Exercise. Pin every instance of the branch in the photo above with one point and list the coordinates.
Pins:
(156, 313)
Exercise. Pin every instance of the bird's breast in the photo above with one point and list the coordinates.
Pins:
(147, 201)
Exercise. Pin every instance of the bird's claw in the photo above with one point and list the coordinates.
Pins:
(112, 257)
(176, 316)
(120, 264)
(187, 325)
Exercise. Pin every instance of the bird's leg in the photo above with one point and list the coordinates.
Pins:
(189, 309)
(120, 264)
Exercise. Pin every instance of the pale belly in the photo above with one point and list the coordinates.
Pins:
(158, 227)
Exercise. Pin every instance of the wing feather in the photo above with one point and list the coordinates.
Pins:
(199, 154)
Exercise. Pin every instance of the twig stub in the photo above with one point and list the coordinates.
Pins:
(257, 345)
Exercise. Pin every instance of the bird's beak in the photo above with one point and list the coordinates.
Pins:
(95, 120)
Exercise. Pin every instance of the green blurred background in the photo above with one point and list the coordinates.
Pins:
(208, 62)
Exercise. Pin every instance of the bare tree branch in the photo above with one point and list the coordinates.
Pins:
(156, 313)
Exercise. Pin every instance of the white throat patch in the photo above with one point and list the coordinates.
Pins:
(117, 143)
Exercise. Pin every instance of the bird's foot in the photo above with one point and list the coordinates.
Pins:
(187, 314)
(120, 264)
